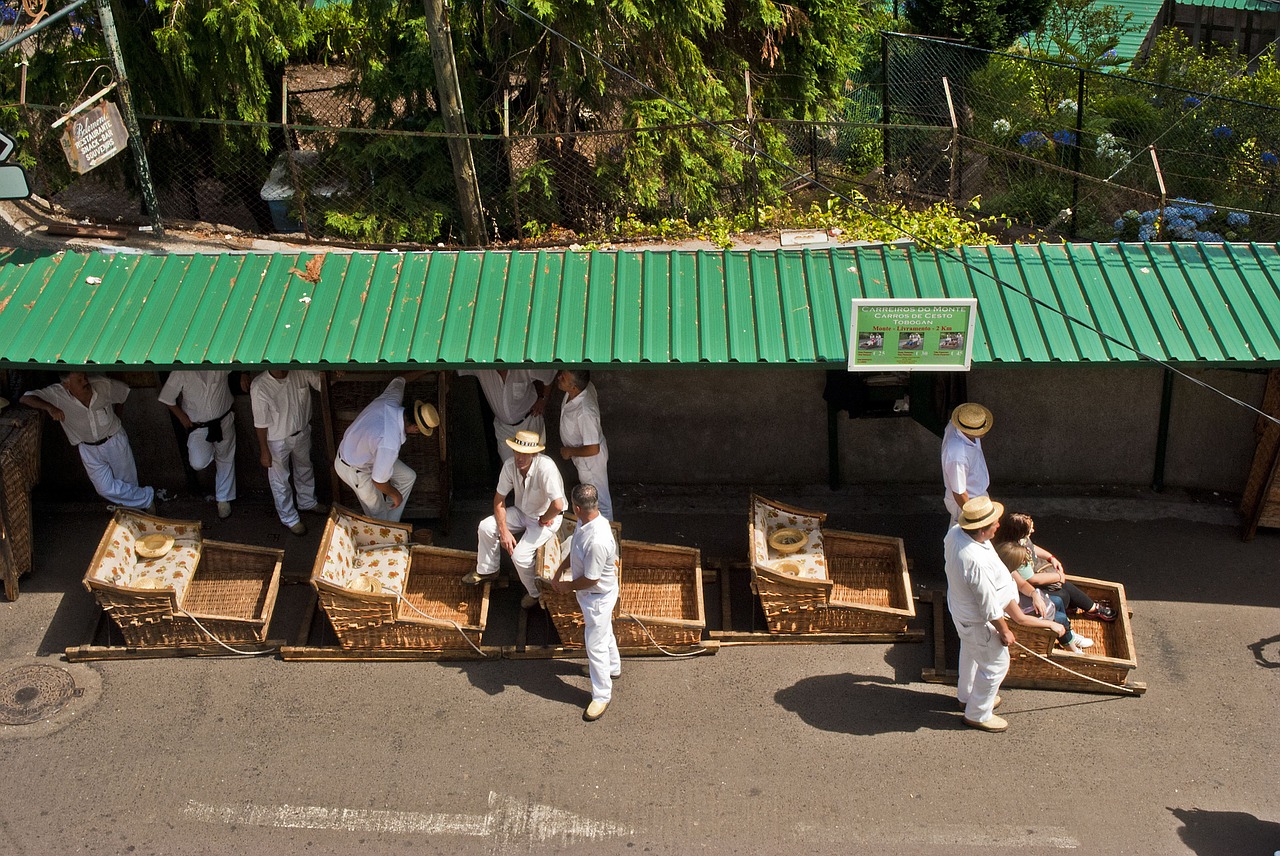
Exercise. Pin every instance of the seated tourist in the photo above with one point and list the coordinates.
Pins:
(1041, 580)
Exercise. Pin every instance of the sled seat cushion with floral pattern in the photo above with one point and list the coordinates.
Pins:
(815, 580)
(381, 591)
(181, 589)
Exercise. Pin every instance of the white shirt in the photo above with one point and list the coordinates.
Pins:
(536, 490)
(594, 555)
(372, 442)
(979, 586)
(513, 398)
(205, 394)
(283, 407)
(89, 424)
(964, 469)
(580, 421)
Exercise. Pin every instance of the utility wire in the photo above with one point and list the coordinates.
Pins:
(747, 145)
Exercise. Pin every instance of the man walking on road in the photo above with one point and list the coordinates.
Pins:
(593, 568)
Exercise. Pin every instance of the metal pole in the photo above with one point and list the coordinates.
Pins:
(953, 184)
(884, 99)
(1162, 435)
(130, 117)
(1163, 194)
(43, 23)
(1075, 156)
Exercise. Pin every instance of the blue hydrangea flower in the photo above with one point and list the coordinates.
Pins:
(1222, 132)
(8, 14)
(1111, 54)
(1191, 102)
(1119, 224)
(1237, 219)
(1269, 159)
(1146, 233)
(1033, 140)
(1064, 138)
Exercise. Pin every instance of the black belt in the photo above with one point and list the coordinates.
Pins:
(96, 442)
(214, 434)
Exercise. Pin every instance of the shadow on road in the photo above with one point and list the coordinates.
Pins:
(1226, 833)
(858, 704)
(542, 678)
(1267, 652)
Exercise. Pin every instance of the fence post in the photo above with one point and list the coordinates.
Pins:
(1075, 159)
(295, 174)
(752, 177)
(130, 117)
(1163, 195)
(953, 184)
(511, 165)
(884, 97)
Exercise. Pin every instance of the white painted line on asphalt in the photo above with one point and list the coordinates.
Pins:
(508, 819)
(990, 836)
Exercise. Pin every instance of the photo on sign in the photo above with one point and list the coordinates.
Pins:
(870, 341)
(951, 342)
(910, 341)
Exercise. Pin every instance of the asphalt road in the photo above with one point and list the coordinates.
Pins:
(805, 749)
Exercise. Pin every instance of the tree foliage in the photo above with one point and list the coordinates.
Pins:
(988, 24)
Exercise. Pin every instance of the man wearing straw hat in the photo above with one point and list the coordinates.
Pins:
(982, 599)
(369, 454)
(88, 407)
(593, 567)
(282, 419)
(535, 516)
(964, 468)
(518, 398)
(202, 402)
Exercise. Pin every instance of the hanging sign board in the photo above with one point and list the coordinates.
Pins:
(94, 136)
(912, 335)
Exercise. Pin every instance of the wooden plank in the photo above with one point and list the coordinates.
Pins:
(735, 638)
(726, 599)
(308, 620)
(558, 652)
(334, 653)
(87, 653)
(938, 601)
(522, 629)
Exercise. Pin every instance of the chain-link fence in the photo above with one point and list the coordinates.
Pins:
(1066, 151)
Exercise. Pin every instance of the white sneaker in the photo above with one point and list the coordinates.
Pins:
(224, 509)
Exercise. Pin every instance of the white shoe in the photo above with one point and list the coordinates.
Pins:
(224, 510)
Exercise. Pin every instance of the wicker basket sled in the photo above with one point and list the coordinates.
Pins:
(1111, 658)
(19, 471)
(198, 594)
(826, 581)
(382, 592)
(659, 601)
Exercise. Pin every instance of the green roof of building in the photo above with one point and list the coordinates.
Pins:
(1190, 303)
(1243, 5)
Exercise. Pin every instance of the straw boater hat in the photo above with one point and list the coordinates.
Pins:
(980, 512)
(427, 417)
(527, 442)
(366, 583)
(154, 546)
(973, 419)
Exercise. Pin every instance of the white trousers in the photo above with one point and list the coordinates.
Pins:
(504, 432)
(373, 501)
(201, 453)
(602, 646)
(595, 471)
(983, 664)
(114, 473)
(535, 535)
(292, 454)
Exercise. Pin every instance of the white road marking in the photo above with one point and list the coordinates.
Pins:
(948, 836)
(508, 820)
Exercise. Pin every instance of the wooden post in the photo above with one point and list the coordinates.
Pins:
(953, 184)
(450, 97)
(1155, 161)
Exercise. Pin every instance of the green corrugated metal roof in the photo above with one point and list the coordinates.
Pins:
(1209, 303)
(1245, 5)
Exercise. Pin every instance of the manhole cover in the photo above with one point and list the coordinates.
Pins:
(31, 693)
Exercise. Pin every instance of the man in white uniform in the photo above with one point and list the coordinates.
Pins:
(983, 599)
(593, 567)
(964, 468)
(581, 437)
(202, 402)
(518, 398)
(89, 407)
(539, 504)
(282, 419)
(369, 454)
